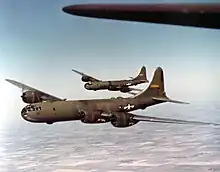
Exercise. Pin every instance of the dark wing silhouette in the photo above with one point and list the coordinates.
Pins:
(203, 15)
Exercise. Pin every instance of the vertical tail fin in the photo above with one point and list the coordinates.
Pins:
(142, 76)
(156, 88)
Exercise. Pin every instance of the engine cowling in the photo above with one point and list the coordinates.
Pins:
(93, 117)
(31, 97)
(91, 86)
(125, 89)
(122, 120)
(86, 78)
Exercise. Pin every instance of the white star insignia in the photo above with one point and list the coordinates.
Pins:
(129, 106)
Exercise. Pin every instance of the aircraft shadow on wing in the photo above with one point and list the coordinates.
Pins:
(123, 86)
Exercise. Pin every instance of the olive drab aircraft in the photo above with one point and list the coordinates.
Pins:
(202, 15)
(118, 112)
(116, 85)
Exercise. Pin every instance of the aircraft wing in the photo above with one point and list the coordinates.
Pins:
(158, 119)
(85, 75)
(169, 120)
(184, 14)
(24, 87)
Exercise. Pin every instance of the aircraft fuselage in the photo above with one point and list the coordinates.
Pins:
(121, 85)
(55, 111)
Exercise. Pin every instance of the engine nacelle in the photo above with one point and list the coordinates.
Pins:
(86, 78)
(123, 120)
(125, 89)
(93, 117)
(91, 86)
(31, 97)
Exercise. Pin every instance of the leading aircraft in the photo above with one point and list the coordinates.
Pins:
(117, 85)
(203, 15)
(116, 111)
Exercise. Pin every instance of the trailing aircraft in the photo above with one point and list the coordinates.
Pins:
(117, 85)
(203, 15)
(118, 112)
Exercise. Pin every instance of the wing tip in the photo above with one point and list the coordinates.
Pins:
(78, 72)
(10, 80)
(7, 80)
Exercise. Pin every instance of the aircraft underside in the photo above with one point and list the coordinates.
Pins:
(186, 14)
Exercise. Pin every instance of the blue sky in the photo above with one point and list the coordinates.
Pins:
(40, 45)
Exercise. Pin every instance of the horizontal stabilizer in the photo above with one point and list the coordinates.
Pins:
(165, 99)
(135, 89)
(132, 93)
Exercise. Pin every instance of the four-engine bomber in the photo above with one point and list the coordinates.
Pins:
(118, 111)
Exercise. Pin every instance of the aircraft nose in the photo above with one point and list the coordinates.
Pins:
(24, 113)
(28, 115)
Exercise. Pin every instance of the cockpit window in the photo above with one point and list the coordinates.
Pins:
(32, 108)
